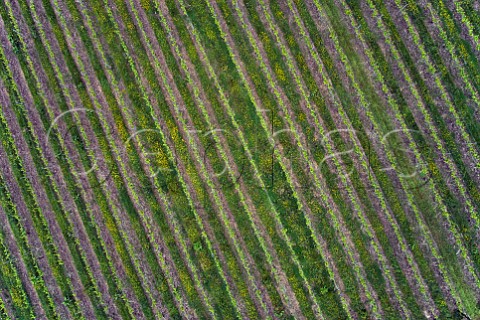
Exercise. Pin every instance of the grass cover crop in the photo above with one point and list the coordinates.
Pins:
(239, 159)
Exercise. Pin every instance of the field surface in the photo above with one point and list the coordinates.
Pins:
(239, 159)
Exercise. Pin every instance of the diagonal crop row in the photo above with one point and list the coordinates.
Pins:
(279, 94)
(410, 258)
(229, 170)
(14, 252)
(354, 199)
(460, 126)
(189, 73)
(378, 192)
(377, 189)
(450, 164)
(237, 159)
(157, 236)
(306, 284)
(80, 236)
(437, 196)
(300, 85)
(41, 136)
(370, 115)
(379, 195)
(15, 200)
(49, 102)
(322, 80)
(444, 211)
(463, 48)
(230, 113)
(426, 114)
(459, 54)
(265, 126)
(11, 284)
(146, 217)
(22, 145)
(20, 235)
(147, 167)
(35, 197)
(468, 22)
(475, 163)
(406, 130)
(5, 312)
(143, 86)
(226, 104)
(173, 98)
(116, 207)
